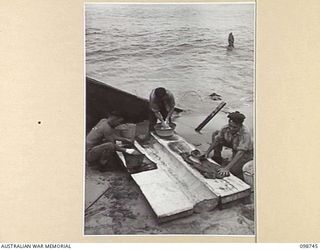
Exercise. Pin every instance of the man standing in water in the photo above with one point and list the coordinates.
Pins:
(231, 41)
(162, 106)
(100, 142)
(237, 137)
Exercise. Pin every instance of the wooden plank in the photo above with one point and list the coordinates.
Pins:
(210, 116)
(171, 189)
(197, 192)
(163, 193)
(228, 189)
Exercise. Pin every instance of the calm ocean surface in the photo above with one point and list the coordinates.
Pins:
(138, 47)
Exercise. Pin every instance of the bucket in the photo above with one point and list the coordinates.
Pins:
(248, 174)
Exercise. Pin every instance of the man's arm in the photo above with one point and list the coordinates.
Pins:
(235, 159)
(130, 151)
(118, 148)
(171, 103)
(210, 149)
(159, 116)
(212, 145)
(169, 114)
(154, 107)
(123, 139)
(225, 170)
(110, 135)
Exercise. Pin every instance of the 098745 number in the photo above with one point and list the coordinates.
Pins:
(308, 245)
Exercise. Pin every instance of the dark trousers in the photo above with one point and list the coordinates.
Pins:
(153, 118)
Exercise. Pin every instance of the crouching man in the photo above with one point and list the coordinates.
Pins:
(100, 142)
(237, 137)
(162, 105)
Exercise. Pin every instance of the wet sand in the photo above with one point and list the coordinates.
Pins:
(124, 210)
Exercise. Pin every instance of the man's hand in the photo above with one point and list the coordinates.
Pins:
(165, 125)
(131, 151)
(224, 171)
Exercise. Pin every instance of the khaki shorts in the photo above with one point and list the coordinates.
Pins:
(101, 153)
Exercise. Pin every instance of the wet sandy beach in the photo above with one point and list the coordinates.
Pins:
(123, 210)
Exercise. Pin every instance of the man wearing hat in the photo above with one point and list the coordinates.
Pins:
(237, 137)
(100, 142)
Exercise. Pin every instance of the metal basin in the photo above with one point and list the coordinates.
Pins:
(165, 132)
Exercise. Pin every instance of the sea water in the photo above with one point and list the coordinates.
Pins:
(182, 47)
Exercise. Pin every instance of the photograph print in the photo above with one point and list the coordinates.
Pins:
(169, 119)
